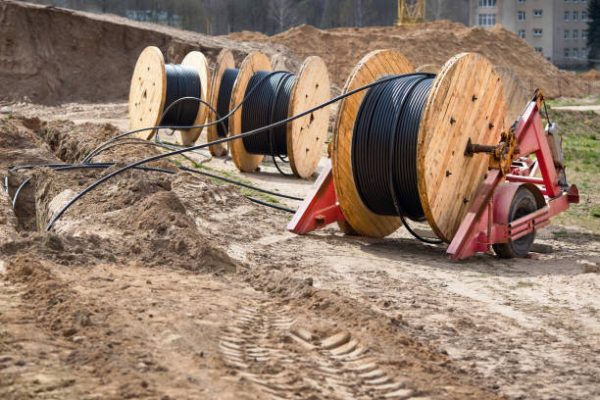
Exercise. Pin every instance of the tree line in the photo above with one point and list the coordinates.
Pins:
(220, 17)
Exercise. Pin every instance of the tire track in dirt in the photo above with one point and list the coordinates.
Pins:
(286, 361)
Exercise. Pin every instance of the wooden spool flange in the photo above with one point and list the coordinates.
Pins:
(360, 219)
(305, 136)
(148, 92)
(225, 61)
(466, 102)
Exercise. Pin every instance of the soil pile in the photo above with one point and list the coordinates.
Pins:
(50, 55)
(426, 44)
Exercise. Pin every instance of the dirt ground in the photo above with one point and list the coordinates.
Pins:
(174, 287)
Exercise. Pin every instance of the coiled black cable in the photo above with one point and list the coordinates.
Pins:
(384, 147)
(182, 81)
(224, 98)
(268, 104)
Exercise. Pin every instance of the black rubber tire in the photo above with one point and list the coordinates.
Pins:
(522, 204)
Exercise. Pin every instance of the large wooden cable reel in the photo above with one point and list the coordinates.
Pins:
(148, 93)
(305, 136)
(466, 101)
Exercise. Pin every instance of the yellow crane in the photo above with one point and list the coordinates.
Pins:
(411, 12)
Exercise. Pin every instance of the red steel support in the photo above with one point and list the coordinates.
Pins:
(320, 208)
(479, 231)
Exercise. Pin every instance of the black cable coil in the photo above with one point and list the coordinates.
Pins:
(268, 104)
(224, 98)
(182, 81)
(384, 146)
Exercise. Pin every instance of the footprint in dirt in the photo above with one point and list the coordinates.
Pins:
(288, 362)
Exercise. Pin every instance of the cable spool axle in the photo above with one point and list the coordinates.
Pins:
(155, 86)
(278, 96)
(399, 149)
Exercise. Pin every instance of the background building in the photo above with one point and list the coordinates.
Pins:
(555, 28)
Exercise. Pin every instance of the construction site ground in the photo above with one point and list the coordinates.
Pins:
(179, 287)
(160, 286)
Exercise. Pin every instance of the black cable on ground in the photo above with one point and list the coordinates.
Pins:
(238, 183)
(275, 206)
(59, 214)
(69, 167)
(143, 142)
(384, 148)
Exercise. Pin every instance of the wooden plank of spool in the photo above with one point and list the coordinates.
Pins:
(306, 136)
(516, 96)
(359, 219)
(466, 102)
(253, 63)
(198, 61)
(148, 91)
(225, 60)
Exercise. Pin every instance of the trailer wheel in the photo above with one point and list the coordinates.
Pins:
(523, 203)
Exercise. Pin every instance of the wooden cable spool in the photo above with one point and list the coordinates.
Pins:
(148, 93)
(466, 101)
(225, 61)
(305, 136)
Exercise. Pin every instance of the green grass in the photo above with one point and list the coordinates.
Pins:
(581, 130)
(230, 175)
(566, 101)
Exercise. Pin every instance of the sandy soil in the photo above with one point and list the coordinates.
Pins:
(159, 286)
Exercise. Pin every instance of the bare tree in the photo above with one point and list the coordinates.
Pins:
(282, 12)
(437, 8)
(359, 11)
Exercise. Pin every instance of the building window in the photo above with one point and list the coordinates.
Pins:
(521, 16)
(537, 32)
(575, 15)
(567, 16)
(567, 34)
(538, 13)
(522, 33)
(582, 53)
(584, 16)
(575, 33)
(575, 53)
(539, 49)
(584, 34)
(487, 3)
(486, 19)
(521, 1)
(567, 54)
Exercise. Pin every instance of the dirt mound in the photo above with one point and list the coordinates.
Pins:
(426, 44)
(50, 55)
(591, 75)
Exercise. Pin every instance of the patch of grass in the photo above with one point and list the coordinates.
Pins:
(581, 145)
(565, 101)
(230, 175)
(524, 284)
